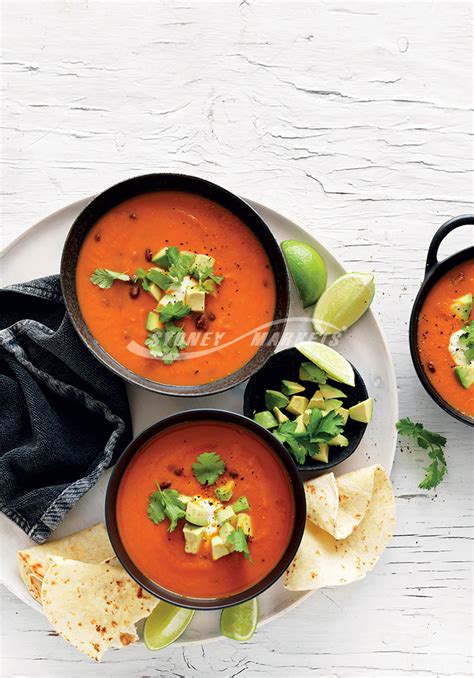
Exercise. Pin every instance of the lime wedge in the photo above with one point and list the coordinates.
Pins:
(343, 303)
(239, 622)
(165, 624)
(329, 360)
(307, 269)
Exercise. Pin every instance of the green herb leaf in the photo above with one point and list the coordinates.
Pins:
(206, 274)
(105, 278)
(327, 427)
(297, 448)
(174, 311)
(161, 279)
(432, 442)
(166, 343)
(140, 274)
(467, 337)
(239, 541)
(208, 467)
(242, 504)
(155, 508)
(180, 263)
(166, 503)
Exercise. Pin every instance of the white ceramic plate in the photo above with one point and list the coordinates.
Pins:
(38, 252)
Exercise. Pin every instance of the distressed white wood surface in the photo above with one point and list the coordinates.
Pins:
(354, 119)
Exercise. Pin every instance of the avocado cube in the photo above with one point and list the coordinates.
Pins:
(311, 372)
(331, 392)
(224, 514)
(462, 307)
(465, 374)
(224, 532)
(265, 419)
(290, 388)
(196, 514)
(209, 286)
(275, 399)
(242, 504)
(201, 263)
(192, 537)
(344, 414)
(300, 425)
(363, 411)
(224, 492)
(280, 416)
(152, 322)
(317, 401)
(183, 498)
(339, 441)
(219, 549)
(322, 454)
(332, 404)
(155, 291)
(298, 404)
(195, 299)
(244, 521)
(161, 259)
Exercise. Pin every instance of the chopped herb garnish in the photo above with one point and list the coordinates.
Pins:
(180, 264)
(166, 503)
(166, 343)
(161, 279)
(239, 541)
(173, 311)
(208, 467)
(467, 339)
(105, 278)
(140, 274)
(323, 429)
(206, 274)
(432, 442)
(242, 504)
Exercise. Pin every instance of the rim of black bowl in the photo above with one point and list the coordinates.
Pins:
(274, 371)
(434, 274)
(187, 601)
(149, 183)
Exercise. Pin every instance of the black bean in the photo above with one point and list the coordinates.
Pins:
(134, 291)
(148, 254)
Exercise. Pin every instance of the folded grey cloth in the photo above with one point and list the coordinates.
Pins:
(64, 417)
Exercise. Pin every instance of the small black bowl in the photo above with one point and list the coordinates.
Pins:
(184, 418)
(174, 182)
(433, 272)
(286, 365)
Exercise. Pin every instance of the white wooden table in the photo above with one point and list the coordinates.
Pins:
(353, 118)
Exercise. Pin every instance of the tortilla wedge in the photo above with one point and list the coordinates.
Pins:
(91, 545)
(351, 520)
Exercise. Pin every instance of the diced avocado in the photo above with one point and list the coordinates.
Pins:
(316, 402)
(462, 307)
(290, 388)
(192, 537)
(224, 514)
(331, 392)
(245, 522)
(298, 404)
(322, 454)
(265, 419)
(195, 299)
(224, 532)
(339, 441)
(152, 322)
(242, 504)
(161, 259)
(362, 411)
(280, 416)
(311, 372)
(306, 416)
(224, 492)
(219, 549)
(275, 399)
(465, 374)
(201, 263)
(300, 425)
(160, 278)
(344, 414)
(209, 286)
(155, 291)
(184, 498)
(332, 404)
(196, 514)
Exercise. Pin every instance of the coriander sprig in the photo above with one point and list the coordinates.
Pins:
(434, 444)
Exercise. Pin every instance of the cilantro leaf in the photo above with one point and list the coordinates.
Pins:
(242, 504)
(208, 467)
(239, 541)
(166, 503)
(105, 278)
(166, 343)
(432, 442)
(140, 274)
(467, 337)
(161, 279)
(174, 311)
(297, 448)
(180, 263)
(155, 508)
(326, 428)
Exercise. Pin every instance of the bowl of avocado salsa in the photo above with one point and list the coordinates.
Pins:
(205, 509)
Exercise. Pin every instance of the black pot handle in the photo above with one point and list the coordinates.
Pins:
(441, 233)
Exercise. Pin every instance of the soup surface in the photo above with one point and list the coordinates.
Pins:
(437, 324)
(244, 301)
(258, 475)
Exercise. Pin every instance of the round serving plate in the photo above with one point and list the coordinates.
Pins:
(38, 252)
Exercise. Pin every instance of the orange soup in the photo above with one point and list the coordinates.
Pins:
(221, 338)
(252, 470)
(440, 328)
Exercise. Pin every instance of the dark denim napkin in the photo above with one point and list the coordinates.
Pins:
(64, 417)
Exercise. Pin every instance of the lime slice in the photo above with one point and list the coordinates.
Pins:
(239, 622)
(343, 303)
(165, 624)
(307, 269)
(329, 360)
